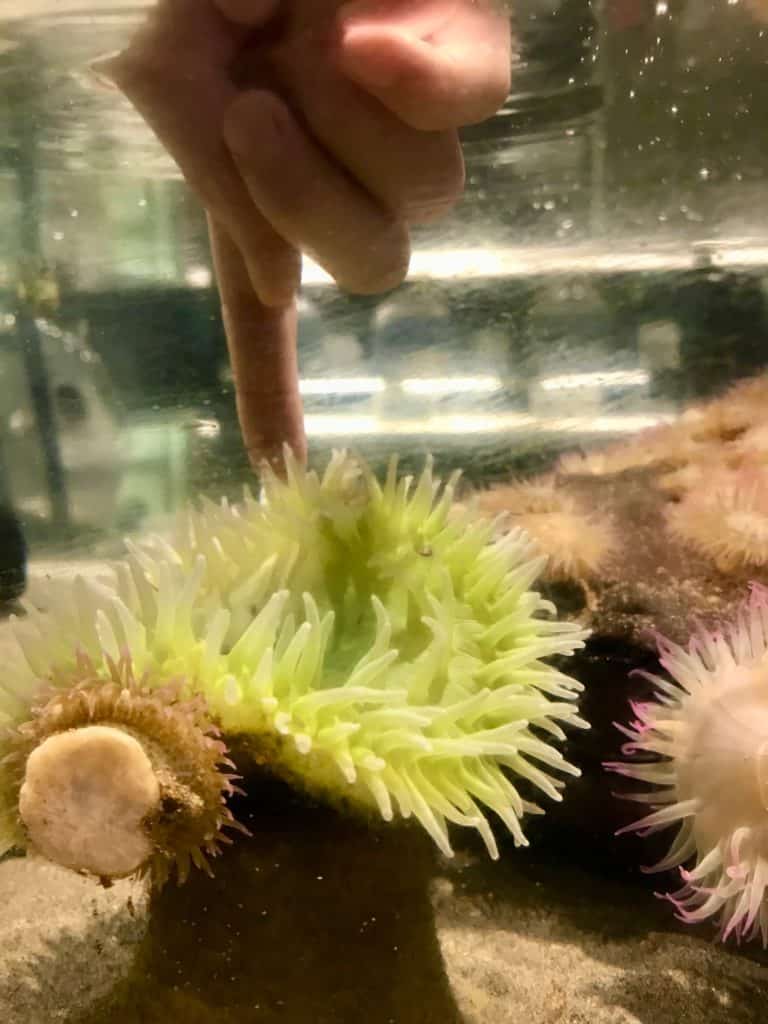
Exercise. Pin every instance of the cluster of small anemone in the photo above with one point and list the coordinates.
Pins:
(578, 543)
(375, 649)
(712, 467)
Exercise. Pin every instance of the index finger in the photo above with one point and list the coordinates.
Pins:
(262, 350)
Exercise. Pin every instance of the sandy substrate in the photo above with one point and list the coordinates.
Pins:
(536, 945)
(65, 940)
(560, 947)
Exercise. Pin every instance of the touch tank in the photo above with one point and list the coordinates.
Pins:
(373, 738)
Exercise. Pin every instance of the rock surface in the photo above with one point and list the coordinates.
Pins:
(655, 583)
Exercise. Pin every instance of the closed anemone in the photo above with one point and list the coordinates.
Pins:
(360, 639)
(112, 776)
(703, 747)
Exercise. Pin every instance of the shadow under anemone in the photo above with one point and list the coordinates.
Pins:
(318, 919)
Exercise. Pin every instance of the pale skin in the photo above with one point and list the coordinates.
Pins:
(311, 126)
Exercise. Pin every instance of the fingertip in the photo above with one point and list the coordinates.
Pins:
(380, 280)
(130, 71)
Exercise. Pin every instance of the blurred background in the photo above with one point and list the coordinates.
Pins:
(607, 266)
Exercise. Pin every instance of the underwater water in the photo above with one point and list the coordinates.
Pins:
(402, 674)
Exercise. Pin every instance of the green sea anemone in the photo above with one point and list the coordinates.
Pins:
(359, 638)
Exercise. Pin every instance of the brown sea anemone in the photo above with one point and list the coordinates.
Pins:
(113, 779)
(753, 445)
(679, 482)
(604, 462)
(727, 418)
(726, 519)
(724, 429)
(707, 732)
(670, 444)
(577, 544)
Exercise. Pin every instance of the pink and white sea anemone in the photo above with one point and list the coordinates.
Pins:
(703, 745)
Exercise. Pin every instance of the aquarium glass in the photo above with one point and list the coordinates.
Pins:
(569, 338)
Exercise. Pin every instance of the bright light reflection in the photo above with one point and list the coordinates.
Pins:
(198, 276)
(605, 378)
(479, 424)
(450, 385)
(528, 261)
(609, 424)
(324, 425)
(208, 429)
(342, 385)
(743, 256)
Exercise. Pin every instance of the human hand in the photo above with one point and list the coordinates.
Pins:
(315, 126)
(318, 126)
(345, 129)
(759, 10)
